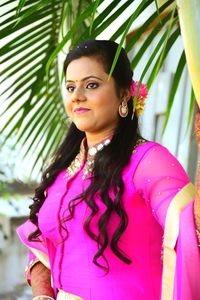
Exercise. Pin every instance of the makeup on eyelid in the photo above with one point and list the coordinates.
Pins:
(91, 101)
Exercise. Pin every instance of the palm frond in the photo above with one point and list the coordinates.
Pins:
(29, 52)
(191, 109)
(189, 15)
(175, 83)
(33, 34)
(135, 14)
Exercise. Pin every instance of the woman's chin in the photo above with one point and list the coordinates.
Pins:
(83, 127)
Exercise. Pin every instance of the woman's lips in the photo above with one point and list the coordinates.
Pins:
(81, 110)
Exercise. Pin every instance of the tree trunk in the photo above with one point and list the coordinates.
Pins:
(189, 16)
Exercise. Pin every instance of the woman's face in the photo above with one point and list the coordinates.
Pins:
(91, 100)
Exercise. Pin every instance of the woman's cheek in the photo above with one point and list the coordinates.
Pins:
(67, 106)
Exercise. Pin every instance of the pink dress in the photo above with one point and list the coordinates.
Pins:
(152, 179)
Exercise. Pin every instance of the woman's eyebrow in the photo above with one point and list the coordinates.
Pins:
(85, 78)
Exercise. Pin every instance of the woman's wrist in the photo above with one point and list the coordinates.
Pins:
(43, 297)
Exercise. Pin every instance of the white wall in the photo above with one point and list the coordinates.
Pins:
(13, 257)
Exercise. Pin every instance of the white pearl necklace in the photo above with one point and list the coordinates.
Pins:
(93, 150)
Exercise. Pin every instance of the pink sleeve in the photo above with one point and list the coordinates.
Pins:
(32, 260)
(158, 177)
(37, 250)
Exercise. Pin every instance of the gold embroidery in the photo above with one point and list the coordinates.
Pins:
(67, 296)
(139, 142)
(40, 257)
(75, 164)
(43, 257)
(88, 167)
(90, 158)
(171, 231)
(89, 164)
(29, 267)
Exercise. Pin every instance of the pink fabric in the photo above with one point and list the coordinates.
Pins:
(152, 179)
(23, 231)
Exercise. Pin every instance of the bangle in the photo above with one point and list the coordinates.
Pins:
(43, 297)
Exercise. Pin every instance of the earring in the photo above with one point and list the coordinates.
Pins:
(123, 109)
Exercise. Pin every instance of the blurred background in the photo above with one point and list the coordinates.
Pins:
(35, 37)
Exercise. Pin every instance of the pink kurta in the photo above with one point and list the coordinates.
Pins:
(152, 178)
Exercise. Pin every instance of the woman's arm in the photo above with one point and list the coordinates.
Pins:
(167, 190)
(159, 177)
(38, 273)
(41, 280)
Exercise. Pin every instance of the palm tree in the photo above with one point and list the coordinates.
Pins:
(34, 32)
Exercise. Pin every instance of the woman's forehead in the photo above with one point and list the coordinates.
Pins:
(83, 67)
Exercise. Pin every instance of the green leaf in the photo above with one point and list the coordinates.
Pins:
(175, 84)
(60, 46)
(20, 82)
(99, 19)
(96, 4)
(191, 109)
(43, 37)
(31, 10)
(165, 48)
(35, 120)
(38, 16)
(24, 37)
(31, 40)
(157, 10)
(38, 115)
(67, 7)
(140, 8)
(146, 24)
(20, 6)
(154, 54)
(57, 134)
(41, 131)
(111, 19)
(162, 56)
(28, 58)
(7, 2)
(148, 42)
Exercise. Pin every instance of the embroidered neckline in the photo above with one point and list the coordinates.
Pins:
(91, 154)
(139, 142)
(87, 157)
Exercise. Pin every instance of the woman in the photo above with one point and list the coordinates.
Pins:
(108, 197)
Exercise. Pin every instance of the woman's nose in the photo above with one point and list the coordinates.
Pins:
(78, 95)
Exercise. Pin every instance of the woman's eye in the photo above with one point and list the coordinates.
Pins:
(70, 88)
(92, 85)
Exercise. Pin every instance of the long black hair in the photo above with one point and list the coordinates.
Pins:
(108, 164)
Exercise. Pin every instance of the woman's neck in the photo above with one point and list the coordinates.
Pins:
(95, 138)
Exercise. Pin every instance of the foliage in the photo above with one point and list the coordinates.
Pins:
(34, 32)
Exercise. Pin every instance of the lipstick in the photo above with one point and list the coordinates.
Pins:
(81, 110)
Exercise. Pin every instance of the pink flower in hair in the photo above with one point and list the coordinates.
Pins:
(141, 97)
(143, 91)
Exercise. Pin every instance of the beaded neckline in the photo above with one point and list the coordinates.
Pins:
(88, 157)
(139, 142)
